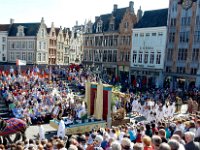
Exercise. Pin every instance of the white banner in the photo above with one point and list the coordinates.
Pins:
(20, 62)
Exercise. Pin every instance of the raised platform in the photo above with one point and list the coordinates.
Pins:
(79, 127)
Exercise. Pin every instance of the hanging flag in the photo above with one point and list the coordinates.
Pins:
(20, 62)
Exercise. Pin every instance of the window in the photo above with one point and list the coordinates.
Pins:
(126, 25)
(193, 71)
(105, 55)
(141, 34)
(146, 58)
(114, 56)
(197, 36)
(42, 32)
(195, 54)
(169, 54)
(23, 44)
(136, 35)
(147, 34)
(140, 58)
(99, 26)
(40, 45)
(112, 27)
(182, 54)
(30, 43)
(18, 55)
(158, 57)
(122, 56)
(197, 20)
(171, 37)
(3, 47)
(152, 58)
(134, 57)
(30, 56)
(173, 22)
(184, 37)
(12, 57)
(3, 39)
(160, 34)
(180, 70)
(44, 57)
(3, 57)
(185, 21)
(168, 69)
(13, 45)
(109, 55)
(23, 55)
(44, 45)
(153, 34)
(39, 57)
(20, 31)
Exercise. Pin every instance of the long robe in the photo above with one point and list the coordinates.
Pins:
(61, 129)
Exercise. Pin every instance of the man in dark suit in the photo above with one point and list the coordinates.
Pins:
(190, 144)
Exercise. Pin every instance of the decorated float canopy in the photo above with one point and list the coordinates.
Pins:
(98, 97)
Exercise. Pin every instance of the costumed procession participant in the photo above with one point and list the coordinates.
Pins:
(178, 104)
(41, 132)
(172, 109)
(190, 105)
(61, 129)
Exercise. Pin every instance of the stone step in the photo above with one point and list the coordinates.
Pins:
(3, 105)
(3, 108)
(4, 113)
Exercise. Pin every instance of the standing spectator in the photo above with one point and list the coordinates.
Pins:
(164, 146)
(190, 144)
(173, 144)
(147, 143)
(162, 135)
(156, 141)
(197, 134)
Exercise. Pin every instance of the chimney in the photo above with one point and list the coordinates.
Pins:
(131, 3)
(52, 24)
(114, 7)
(11, 21)
(76, 23)
(139, 14)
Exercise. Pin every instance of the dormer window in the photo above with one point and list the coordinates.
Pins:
(20, 31)
(112, 27)
(99, 26)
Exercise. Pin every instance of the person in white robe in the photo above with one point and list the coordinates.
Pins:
(159, 114)
(61, 129)
(134, 105)
(41, 132)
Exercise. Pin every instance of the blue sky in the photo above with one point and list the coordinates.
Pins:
(66, 12)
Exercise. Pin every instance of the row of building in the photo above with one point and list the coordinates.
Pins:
(155, 49)
(38, 44)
